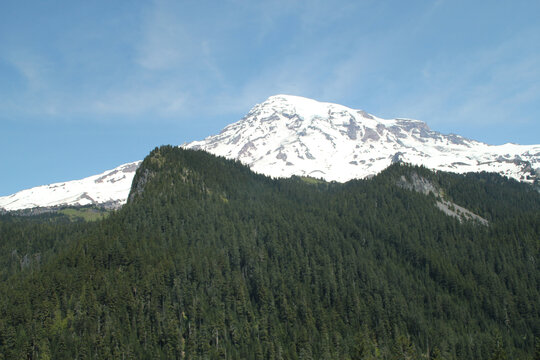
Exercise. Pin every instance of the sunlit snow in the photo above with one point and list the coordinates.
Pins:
(291, 135)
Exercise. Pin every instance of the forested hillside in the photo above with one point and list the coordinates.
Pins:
(211, 261)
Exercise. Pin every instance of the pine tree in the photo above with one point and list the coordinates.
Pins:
(498, 349)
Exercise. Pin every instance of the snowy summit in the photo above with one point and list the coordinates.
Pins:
(291, 135)
(109, 189)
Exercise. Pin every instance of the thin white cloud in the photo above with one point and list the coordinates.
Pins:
(487, 87)
(162, 102)
(32, 67)
(182, 66)
(165, 44)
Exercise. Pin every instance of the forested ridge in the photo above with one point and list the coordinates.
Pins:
(209, 260)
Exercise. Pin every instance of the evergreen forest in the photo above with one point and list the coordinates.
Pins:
(209, 260)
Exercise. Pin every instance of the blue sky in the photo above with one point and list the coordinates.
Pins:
(88, 85)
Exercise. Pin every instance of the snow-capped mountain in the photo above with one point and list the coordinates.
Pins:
(109, 189)
(291, 135)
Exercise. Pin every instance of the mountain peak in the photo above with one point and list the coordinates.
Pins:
(292, 135)
(289, 135)
(304, 108)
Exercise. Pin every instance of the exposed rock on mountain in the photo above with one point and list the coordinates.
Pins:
(291, 135)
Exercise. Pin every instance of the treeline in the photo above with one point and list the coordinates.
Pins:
(209, 260)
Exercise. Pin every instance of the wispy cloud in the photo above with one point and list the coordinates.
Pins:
(489, 86)
(160, 102)
(30, 66)
(181, 61)
(165, 44)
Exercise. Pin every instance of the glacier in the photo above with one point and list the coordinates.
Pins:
(291, 135)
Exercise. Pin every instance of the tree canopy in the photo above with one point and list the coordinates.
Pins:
(209, 260)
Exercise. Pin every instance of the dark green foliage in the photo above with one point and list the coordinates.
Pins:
(498, 349)
(211, 261)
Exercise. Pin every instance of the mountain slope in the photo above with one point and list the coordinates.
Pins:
(109, 189)
(290, 135)
(208, 260)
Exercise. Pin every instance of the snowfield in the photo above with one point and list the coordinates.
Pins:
(291, 135)
(110, 188)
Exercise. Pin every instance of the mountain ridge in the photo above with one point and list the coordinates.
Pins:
(211, 260)
(291, 135)
(108, 189)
